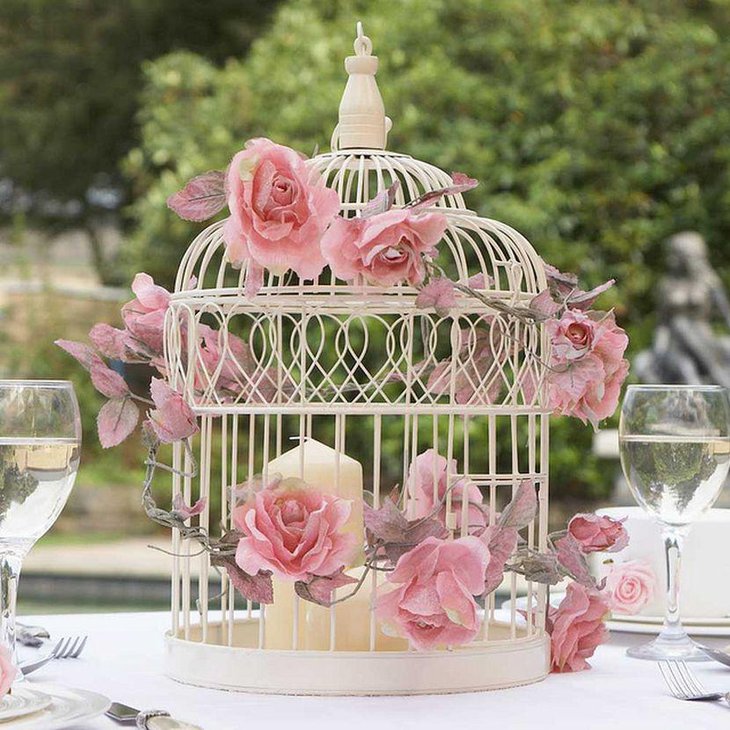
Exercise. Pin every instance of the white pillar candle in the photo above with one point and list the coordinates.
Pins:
(323, 469)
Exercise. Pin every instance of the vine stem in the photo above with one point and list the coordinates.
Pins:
(523, 314)
(142, 399)
(169, 519)
(358, 586)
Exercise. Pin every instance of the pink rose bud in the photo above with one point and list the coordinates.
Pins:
(228, 363)
(144, 317)
(598, 533)
(172, 419)
(629, 586)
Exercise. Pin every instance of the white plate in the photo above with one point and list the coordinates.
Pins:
(636, 624)
(66, 706)
(651, 627)
(521, 602)
(703, 623)
(22, 701)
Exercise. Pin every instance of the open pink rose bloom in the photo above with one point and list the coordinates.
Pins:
(588, 366)
(295, 531)
(279, 210)
(386, 249)
(433, 602)
(629, 586)
(571, 335)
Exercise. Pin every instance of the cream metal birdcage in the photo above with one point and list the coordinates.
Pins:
(349, 363)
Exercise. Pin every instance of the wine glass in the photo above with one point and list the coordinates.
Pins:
(675, 452)
(40, 439)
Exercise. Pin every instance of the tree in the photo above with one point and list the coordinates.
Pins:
(70, 73)
(596, 129)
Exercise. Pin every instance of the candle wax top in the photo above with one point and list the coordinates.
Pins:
(315, 452)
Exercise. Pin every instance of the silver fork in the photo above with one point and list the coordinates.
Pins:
(684, 685)
(67, 648)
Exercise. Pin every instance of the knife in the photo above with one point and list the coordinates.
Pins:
(147, 720)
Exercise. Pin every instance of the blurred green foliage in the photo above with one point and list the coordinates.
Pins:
(28, 351)
(70, 74)
(596, 129)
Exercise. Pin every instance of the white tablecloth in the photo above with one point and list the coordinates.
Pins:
(123, 660)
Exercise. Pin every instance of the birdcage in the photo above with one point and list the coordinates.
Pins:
(334, 365)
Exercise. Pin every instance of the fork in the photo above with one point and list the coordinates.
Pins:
(684, 685)
(67, 648)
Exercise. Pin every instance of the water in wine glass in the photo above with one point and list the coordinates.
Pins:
(675, 478)
(36, 477)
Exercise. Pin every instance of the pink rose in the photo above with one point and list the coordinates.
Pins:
(294, 531)
(596, 533)
(279, 210)
(144, 317)
(386, 249)
(8, 671)
(587, 385)
(172, 419)
(577, 628)
(571, 336)
(433, 604)
(629, 586)
(429, 469)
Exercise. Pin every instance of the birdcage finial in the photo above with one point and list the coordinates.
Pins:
(363, 123)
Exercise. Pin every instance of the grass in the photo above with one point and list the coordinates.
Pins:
(31, 608)
(80, 538)
(107, 467)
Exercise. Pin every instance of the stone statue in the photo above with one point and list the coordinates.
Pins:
(686, 348)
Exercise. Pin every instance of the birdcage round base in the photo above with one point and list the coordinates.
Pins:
(498, 663)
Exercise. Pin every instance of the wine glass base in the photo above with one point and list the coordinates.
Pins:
(669, 647)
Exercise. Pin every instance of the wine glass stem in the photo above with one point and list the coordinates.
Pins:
(10, 565)
(673, 541)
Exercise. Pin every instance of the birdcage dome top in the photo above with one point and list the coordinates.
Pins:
(336, 325)
(472, 244)
(359, 167)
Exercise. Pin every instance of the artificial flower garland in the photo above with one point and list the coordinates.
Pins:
(283, 218)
